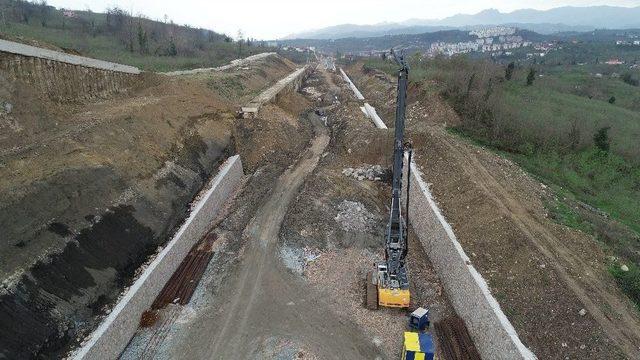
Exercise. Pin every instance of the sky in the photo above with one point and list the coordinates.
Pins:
(273, 19)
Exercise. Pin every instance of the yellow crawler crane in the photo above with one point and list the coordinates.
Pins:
(388, 284)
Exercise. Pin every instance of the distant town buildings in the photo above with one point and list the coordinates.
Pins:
(491, 39)
(628, 42)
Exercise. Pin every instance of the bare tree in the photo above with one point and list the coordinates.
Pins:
(240, 39)
(143, 41)
(44, 10)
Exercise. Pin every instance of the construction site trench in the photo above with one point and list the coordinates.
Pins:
(95, 185)
(287, 275)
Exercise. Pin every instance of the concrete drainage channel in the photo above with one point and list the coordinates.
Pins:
(492, 332)
(368, 110)
(118, 327)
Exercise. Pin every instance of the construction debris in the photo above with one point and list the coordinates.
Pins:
(368, 172)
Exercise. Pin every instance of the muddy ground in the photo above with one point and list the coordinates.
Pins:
(287, 278)
(550, 280)
(90, 189)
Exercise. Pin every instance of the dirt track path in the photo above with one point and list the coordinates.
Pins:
(620, 322)
(266, 303)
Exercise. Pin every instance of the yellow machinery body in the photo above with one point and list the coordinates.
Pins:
(395, 298)
(384, 291)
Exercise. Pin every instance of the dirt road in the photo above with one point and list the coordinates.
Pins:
(265, 303)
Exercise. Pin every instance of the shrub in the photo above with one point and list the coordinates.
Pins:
(509, 71)
(601, 139)
(630, 79)
(531, 76)
(612, 100)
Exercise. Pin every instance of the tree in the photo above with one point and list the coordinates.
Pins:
(531, 76)
(172, 51)
(509, 71)
(601, 139)
(116, 19)
(26, 10)
(44, 12)
(612, 100)
(143, 41)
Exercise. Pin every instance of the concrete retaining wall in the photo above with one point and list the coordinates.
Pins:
(490, 329)
(290, 83)
(32, 51)
(63, 77)
(353, 87)
(113, 335)
(234, 63)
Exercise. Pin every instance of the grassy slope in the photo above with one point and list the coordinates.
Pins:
(544, 106)
(581, 81)
(76, 34)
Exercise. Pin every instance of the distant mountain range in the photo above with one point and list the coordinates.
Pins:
(551, 21)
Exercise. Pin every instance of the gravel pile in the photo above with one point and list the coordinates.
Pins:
(353, 216)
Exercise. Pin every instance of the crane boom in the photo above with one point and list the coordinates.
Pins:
(390, 277)
(396, 239)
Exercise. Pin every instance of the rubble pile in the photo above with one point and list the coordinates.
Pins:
(368, 172)
(313, 92)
